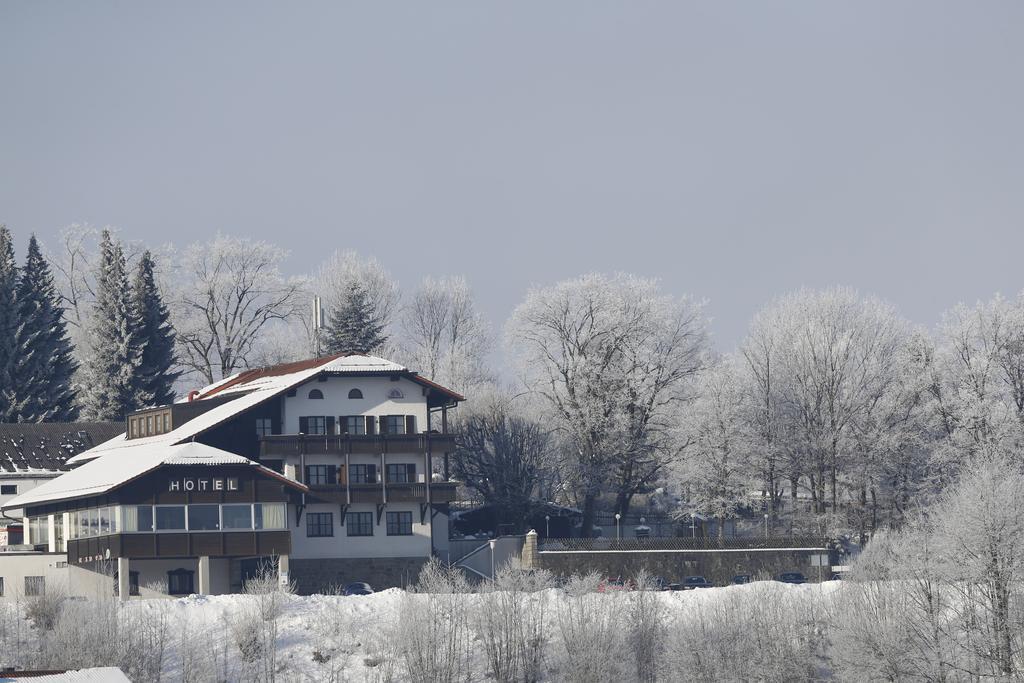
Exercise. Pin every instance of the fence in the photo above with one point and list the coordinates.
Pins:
(681, 543)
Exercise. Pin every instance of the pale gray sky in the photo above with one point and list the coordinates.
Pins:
(734, 150)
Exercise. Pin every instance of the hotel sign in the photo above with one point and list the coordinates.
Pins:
(206, 484)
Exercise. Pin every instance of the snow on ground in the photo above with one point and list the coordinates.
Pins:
(359, 626)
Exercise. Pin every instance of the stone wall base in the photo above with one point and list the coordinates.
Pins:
(325, 574)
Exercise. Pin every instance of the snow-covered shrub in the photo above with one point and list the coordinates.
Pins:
(433, 629)
(254, 626)
(590, 626)
(510, 620)
(763, 632)
(645, 632)
(44, 610)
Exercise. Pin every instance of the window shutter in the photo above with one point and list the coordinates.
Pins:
(370, 425)
(329, 420)
(332, 474)
(371, 474)
(410, 424)
(410, 473)
(342, 425)
(303, 425)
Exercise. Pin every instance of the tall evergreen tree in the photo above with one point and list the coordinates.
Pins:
(155, 377)
(353, 325)
(44, 367)
(109, 391)
(8, 323)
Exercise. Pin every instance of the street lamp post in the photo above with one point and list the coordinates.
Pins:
(547, 526)
(617, 518)
(766, 526)
(492, 543)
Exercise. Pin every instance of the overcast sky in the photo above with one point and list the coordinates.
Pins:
(734, 150)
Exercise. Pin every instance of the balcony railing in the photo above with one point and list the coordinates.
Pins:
(682, 543)
(280, 445)
(438, 492)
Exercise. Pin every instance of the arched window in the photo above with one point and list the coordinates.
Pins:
(316, 393)
(355, 393)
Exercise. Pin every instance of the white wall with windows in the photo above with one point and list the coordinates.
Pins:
(324, 533)
(26, 574)
(378, 396)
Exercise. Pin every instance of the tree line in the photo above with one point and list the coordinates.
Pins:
(833, 415)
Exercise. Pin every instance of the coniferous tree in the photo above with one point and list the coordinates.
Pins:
(112, 364)
(44, 367)
(8, 323)
(155, 377)
(354, 326)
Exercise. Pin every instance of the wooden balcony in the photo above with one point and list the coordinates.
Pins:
(346, 494)
(283, 445)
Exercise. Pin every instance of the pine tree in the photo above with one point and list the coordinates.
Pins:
(44, 367)
(155, 377)
(8, 323)
(108, 389)
(354, 326)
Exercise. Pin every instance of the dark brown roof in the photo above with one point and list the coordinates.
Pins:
(48, 445)
(247, 376)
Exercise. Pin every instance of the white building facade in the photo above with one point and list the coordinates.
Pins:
(363, 441)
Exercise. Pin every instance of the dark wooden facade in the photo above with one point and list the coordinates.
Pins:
(155, 488)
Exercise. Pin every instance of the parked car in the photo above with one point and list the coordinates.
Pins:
(692, 582)
(741, 579)
(359, 588)
(663, 584)
(836, 576)
(616, 583)
(792, 577)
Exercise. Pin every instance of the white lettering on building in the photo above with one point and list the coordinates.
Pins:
(211, 484)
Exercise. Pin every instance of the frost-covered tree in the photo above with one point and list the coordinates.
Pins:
(9, 320)
(976, 388)
(611, 356)
(715, 471)
(108, 390)
(444, 337)
(155, 377)
(333, 282)
(231, 290)
(842, 359)
(354, 326)
(44, 367)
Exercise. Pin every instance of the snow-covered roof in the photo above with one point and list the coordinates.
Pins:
(45, 447)
(121, 465)
(104, 674)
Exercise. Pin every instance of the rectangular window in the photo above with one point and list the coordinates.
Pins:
(237, 516)
(319, 524)
(264, 426)
(359, 524)
(38, 531)
(392, 424)
(353, 424)
(363, 474)
(401, 474)
(35, 586)
(270, 515)
(105, 519)
(399, 524)
(167, 422)
(149, 425)
(137, 518)
(203, 517)
(170, 517)
(320, 475)
(180, 582)
(8, 489)
(313, 424)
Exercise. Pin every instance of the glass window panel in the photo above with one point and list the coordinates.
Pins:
(270, 515)
(359, 524)
(104, 524)
(237, 516)
(203, 517)
(170, 517)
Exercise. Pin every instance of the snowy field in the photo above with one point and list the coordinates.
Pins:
(573, 633)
